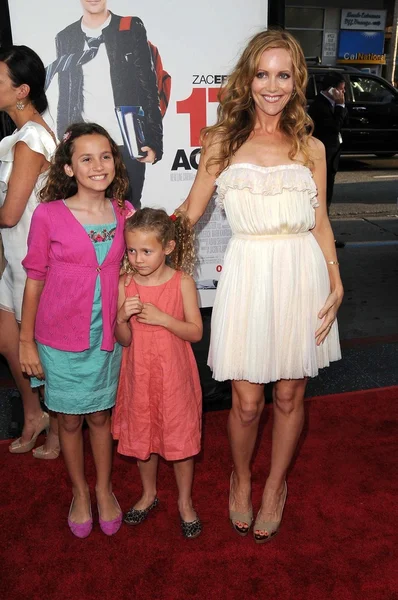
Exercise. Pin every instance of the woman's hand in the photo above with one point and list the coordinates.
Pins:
(150, 157)
(328, 313)
(151, 315)
(29, 359)
(131, 306)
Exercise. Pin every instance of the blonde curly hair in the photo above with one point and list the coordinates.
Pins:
(166, 228)
(236, 111)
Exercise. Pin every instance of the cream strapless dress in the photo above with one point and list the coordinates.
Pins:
(274, 280)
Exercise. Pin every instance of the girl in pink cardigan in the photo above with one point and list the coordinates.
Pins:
(75, 247)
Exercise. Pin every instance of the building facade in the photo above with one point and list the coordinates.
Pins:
(338, 32)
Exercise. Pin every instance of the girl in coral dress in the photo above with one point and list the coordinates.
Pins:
(159, 401)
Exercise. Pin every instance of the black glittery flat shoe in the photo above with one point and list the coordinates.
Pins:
(134, 516)
(191, 529)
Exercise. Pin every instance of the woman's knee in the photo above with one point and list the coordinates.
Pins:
(288, 398)
(249, 410)
(247, 401)
(70, 423)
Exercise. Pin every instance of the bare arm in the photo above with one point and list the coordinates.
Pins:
(28, 354)
(324, 236)
(26, 169)
(203, 186)
(191, 329)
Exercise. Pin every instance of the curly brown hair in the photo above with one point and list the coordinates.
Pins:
(166, 228)
(236, 111)
(59, 186)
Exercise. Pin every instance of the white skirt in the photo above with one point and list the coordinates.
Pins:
(266, 310)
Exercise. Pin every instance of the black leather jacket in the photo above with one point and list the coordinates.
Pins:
(132, 75)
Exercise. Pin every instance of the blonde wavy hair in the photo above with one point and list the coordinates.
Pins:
(177, 228)
(236, 111)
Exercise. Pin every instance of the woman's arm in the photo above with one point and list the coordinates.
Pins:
(191, 329)
(324, 236)
(26, 169)
(28, 354)
(203, 186)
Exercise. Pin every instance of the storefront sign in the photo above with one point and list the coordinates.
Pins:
(330, 44)
(361, 47)
(365, 20)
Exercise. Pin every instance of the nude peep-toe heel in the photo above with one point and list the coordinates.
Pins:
(18, 447)
(50, 454)
(271, 528)
(237, 517)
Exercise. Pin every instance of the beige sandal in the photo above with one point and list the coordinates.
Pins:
(40, 452)
(238, 517)
(19, 447)
(270, 527)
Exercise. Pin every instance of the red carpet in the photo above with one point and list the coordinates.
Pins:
(337, 540)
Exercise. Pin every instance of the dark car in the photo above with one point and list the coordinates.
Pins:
(372, 105)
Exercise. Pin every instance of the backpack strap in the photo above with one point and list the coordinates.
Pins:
(162, 77)
(125, 24)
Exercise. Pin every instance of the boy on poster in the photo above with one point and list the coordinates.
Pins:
(104, 62)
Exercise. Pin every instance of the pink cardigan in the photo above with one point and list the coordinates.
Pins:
(61, 253)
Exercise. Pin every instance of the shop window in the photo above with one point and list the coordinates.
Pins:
(310, 41)
(306, 24)
(304, 18)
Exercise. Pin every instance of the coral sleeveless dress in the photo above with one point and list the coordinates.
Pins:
(274, 280)
(159, 400)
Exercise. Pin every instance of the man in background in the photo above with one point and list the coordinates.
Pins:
(104, 61)
(329, 114)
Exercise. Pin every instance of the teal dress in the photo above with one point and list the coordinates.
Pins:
(84, 382)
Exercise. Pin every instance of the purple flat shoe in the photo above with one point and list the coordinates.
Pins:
(113, 526)
(80, 530)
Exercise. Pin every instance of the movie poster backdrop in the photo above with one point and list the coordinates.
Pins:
(198, 44)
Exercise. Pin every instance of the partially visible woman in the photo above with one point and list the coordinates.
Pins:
(24, 157)
(274, 317)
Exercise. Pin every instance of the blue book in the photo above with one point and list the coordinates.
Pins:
(131, 121)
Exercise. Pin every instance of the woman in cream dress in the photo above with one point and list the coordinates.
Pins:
(274, 317)
(24, 157)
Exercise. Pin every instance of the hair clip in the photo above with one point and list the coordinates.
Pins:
(130, 213)
(173, 217)
(66, 136)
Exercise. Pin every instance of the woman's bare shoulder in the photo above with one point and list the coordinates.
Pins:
(317, 148)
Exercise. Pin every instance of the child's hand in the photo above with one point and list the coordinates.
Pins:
(29, 360)
(151, 315)
(131, 306)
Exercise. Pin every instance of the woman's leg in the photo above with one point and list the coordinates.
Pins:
(183, 470)
(9, 348)
(288, 421)
(50, 448)
(148, 473)
(71, 438)
(99, 424)
(243, 421)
